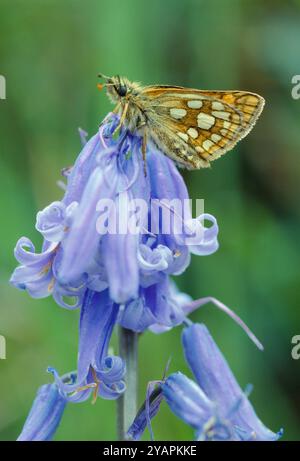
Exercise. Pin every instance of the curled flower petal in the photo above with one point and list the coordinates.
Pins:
(25, 253)
(112, 369)
(157, 259)
(51, 221)
(208, 243)
(35, 274)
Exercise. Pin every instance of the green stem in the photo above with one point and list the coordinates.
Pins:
(127, 404)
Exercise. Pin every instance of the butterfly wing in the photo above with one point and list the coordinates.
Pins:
(196, 127)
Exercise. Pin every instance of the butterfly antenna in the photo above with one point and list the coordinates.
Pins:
(103, 76)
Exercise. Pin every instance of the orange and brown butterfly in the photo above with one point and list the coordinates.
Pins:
(193, 127)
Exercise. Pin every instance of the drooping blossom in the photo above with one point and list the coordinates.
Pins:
(98, 372)
(215, 405)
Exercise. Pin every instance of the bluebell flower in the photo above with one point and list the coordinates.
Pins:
(217, 381)
(78, 256)
(45, 415)
(215, 406)
(187, 400)
(98, 372)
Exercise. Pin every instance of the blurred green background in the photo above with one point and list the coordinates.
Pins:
(50, 54)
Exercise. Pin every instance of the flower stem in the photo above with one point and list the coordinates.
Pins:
(127, 404)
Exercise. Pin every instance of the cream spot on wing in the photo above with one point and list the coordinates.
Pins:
(215, 137)
(208, 144)
(177, 113)
(183, 136)
(221, 114)
(193, 133)
(194, 104)
(226, 124)
(224, 132)
(199, 149)
(205, 121)
(216, 105)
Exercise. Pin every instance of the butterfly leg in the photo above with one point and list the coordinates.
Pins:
(144, 151)
(116, 109)
(124, 113)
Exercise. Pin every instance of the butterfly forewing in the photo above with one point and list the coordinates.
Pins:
(202, 125)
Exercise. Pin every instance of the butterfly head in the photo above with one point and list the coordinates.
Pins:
(117, 87)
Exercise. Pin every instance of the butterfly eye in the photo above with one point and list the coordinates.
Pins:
(122, 90)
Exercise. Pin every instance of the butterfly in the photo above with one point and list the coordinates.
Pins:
(193, 127)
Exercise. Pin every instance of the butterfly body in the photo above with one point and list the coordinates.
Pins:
(193, 127)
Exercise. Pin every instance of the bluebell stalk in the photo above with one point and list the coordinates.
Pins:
(215, 406)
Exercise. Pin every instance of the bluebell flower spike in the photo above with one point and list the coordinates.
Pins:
(134, 268)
